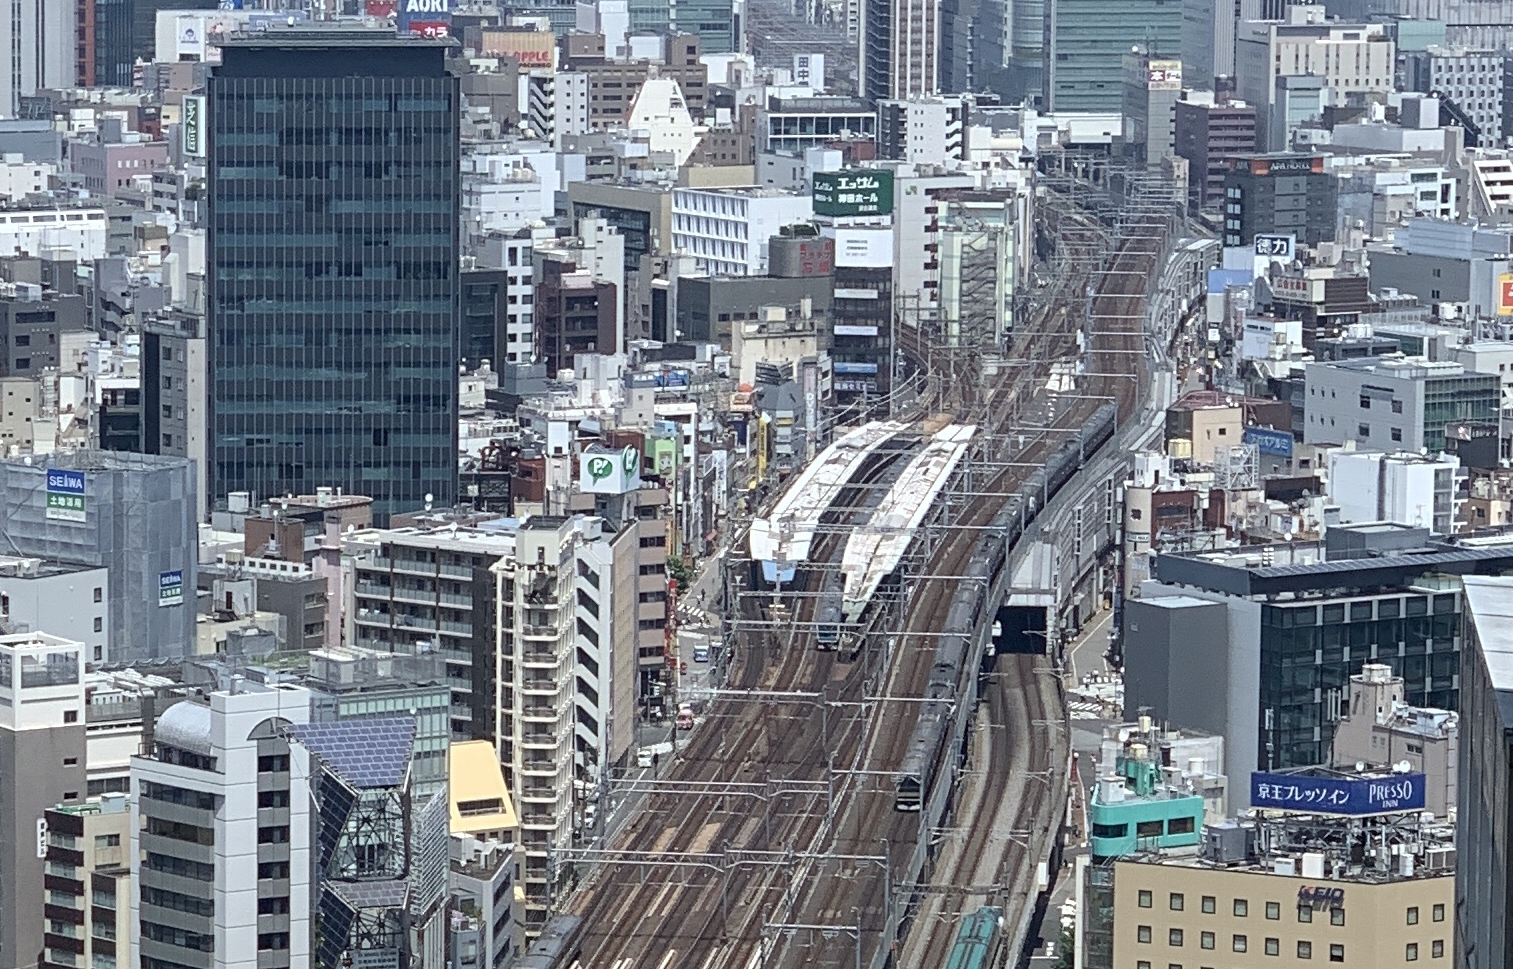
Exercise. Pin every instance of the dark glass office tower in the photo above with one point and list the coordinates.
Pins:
(333, 267)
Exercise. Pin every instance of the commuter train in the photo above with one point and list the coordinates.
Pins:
(829, 623)
(979, 941)
(926, 754)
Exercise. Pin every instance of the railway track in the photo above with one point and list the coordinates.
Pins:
(694, 883)
(673, 914)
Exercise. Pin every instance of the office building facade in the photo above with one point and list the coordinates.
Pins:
(1394, 403)
(1279, 653)
(1287, 194)
(333, 268)
(221, 834)
(1483, 875)
(1085, 44)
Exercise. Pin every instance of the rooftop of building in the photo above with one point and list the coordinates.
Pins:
(311, 36)
(1489, 603)
(1365, 555)
(490, 538)
(23, 567)
(480, 800)
(1399, 366)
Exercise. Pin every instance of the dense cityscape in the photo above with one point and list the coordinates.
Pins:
(756, 484)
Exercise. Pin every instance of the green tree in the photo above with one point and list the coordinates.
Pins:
(680, 573)
(1066, 948)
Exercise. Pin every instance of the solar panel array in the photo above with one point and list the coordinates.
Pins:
(367, 753)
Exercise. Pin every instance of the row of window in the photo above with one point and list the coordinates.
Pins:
(1273, 947)
(1208, 904)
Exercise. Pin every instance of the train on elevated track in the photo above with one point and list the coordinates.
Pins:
(927, 755)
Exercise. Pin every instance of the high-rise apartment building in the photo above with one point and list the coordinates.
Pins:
(900, 45)
(221, 834)
(41, 767)
(1207, 134)
(88, 884)
(333, 267)
(1483, 876)
(39, 41)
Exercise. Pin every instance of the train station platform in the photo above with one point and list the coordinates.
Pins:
(875, 549)
(781, 541)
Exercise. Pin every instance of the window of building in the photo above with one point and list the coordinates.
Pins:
(1208, 905)
(1363, 430)
(70, 762)
(1397, 433)
(1142, 964)
(273, 869)
(1413, 915)
(1410, 953)
(70, 716)
(1273, 947)
(1205, 940)
(1180, 826)
(1305, 950)
(272, 940)
(1437, 913)
(1239, 944)
(1365, 402)
(99, 624)
(1397, 407)
(1273, 910)
(1437, 949)
(1337, 952)
(273, 835)
(1142, 933)
(1143, 899)
(99, 594)
(1174, 937)
(1305, 914)
(1148, 829)
(1242, 907)
(1176, 901)
(1336, 916)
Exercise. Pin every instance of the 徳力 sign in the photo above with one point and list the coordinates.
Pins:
(65, 496)
(1274, 246)
(855, 192)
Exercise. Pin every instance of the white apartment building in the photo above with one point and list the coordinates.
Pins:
(42, 751)
(506, 190)
(1407, 489)
(557, 105)
(32, 232)
(66, 600)
(220, 834)
(534, 712)
(19, 178)
(1350, 58)
(922, 130)
(514, 252)
(727, 230)
(606, 621)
